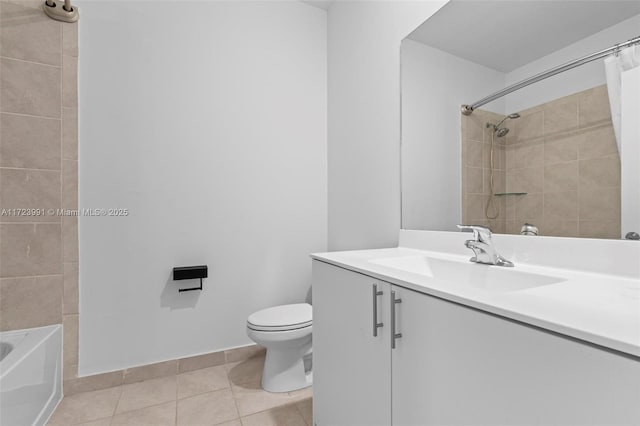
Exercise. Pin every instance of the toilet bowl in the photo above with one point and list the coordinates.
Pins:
(286, 333)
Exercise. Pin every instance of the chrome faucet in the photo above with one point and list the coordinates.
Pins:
(483, 247)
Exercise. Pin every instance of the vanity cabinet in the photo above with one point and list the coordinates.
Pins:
(453, 364)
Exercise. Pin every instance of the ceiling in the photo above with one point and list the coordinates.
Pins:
(505, 35)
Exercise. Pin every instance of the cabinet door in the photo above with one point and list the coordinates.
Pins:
(351, 367)
(459, 366)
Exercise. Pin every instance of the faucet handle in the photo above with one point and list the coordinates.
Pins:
(480, 233)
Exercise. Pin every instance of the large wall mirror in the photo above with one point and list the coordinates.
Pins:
(562, 154)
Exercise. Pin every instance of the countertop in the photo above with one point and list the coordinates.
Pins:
(593, 307)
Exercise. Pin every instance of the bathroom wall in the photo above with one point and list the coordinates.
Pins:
(207, 122)
(38, 170)
(434, 85)
(563, 154)
(576, 80)
(364, 118)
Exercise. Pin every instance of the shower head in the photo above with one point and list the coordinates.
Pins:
(502, 131)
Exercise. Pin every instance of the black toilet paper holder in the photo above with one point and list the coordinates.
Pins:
(190, 273)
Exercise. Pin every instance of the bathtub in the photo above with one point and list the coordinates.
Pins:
(30, 375)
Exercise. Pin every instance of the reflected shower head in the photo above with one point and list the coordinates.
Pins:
(502, 131)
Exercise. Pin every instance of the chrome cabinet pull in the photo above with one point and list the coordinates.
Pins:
(394, 335)
(376, 324)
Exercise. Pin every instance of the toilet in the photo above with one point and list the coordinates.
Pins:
(286, 333)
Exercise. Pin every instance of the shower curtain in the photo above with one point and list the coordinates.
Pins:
(614, 66)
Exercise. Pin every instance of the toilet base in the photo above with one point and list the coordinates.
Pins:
(284, 371)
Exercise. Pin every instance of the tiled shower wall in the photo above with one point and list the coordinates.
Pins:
(476, 171)
(562, 154)
(38, 170)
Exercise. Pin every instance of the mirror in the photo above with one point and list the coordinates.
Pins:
(548, 154)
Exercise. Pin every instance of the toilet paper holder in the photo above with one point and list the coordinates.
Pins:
(190, 273)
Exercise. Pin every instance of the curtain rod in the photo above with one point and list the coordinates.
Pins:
(468, 109)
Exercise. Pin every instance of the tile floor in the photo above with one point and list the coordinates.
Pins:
(228, 395)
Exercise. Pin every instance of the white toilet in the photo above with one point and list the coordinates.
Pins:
(286, 333)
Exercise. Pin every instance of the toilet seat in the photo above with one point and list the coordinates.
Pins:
(281, 318)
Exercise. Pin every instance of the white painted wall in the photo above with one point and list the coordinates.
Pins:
(576, 80)
(364, 118)
(434, 85)
(208, 122)
(630, 159)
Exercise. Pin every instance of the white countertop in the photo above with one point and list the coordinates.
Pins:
(594, 307)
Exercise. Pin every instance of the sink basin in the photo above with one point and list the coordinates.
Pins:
(488, 277)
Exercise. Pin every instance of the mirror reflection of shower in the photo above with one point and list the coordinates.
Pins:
(497, 132)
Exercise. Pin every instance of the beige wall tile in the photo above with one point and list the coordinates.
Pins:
(526, 180)
(30, 302)
(596, 143)
(561, 115)
(200, 361)
(555, 228)
(69, 81)
(528, 126)
(70, 133)
(158, 415)
(593, 106)
(599, 172)
(529, 208)
(473, 153)
(92, 383)
(28, 34)
(499, 156)
(561, 177)
(70, 39)
(85, 407)
(561, 149)
(600, 229)
(70, 184)
(499, 181)
(151, 371)
(30, 249)
(70, 342)
(29, 142)
(528, 154)
(147, 393)
(70, 238)
(474, 180)
(472, 127)
(561, 206)
(29, 88)
(209, 408)
(70, 295)
(601, 204)
(475, 207)
(30, 189)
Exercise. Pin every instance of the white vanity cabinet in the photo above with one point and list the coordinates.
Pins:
(453, 365)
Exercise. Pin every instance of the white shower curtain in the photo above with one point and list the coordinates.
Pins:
(614, 66)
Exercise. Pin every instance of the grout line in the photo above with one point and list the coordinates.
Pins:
(33, 62)
(30, 115)
(32, 169)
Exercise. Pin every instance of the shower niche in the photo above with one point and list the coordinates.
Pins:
(547, 153)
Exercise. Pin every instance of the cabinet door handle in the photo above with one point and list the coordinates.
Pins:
(376, 324)
(394, 335)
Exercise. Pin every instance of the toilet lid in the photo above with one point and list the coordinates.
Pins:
(284, 317)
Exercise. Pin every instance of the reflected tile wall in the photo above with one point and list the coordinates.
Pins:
(38, 169)
(563, 154)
